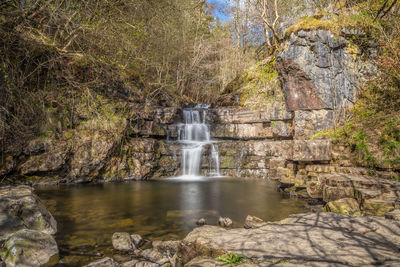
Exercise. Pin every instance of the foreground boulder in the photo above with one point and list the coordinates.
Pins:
(123, 242)
(21, 209)
(30, 248)
(319, 238)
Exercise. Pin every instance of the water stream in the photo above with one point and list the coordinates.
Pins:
(194, 137)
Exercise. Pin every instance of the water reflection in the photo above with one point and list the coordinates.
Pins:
(89, 214)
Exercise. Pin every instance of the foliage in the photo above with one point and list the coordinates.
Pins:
(58, 58)
(232, 259)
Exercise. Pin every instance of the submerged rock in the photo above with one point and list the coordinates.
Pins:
(21, 209)
(322, 238)
(201, 222)
(137, 240)
(348, 206)
(105, 262)
(225, 222)
(122, 241)
(30, 248)
(253, 222)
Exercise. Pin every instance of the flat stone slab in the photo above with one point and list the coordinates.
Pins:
(324, 238)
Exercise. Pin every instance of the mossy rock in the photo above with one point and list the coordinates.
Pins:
(347, 206)
(377, 207)
(30, 248)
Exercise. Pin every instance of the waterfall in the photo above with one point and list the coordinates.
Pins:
(194, 136)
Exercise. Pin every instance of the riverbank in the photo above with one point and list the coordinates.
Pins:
(310, 239)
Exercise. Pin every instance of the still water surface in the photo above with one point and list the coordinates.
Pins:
(88, 215)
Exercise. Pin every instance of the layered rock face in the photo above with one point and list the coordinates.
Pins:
(320, 74)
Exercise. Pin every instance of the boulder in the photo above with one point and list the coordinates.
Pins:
(253, 222)
(347, 206)
(137, 240)
(122, 241)
(104, 262)
(201, 222)
(224, 222)
(321, 238)
(30, 248)
(20, 209)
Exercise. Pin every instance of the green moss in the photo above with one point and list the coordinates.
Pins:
(69, 135)
(258, 86)
(376, 207)
(313, 23)
(347, 206)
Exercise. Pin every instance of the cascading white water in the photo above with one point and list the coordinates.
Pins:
(194, 135)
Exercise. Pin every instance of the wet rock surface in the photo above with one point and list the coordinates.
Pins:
(201, 222)
(324, 239)
(253, 222)
(225, 222)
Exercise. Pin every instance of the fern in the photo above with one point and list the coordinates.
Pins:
(232, 259)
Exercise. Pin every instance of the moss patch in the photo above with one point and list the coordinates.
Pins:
(258, 86)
